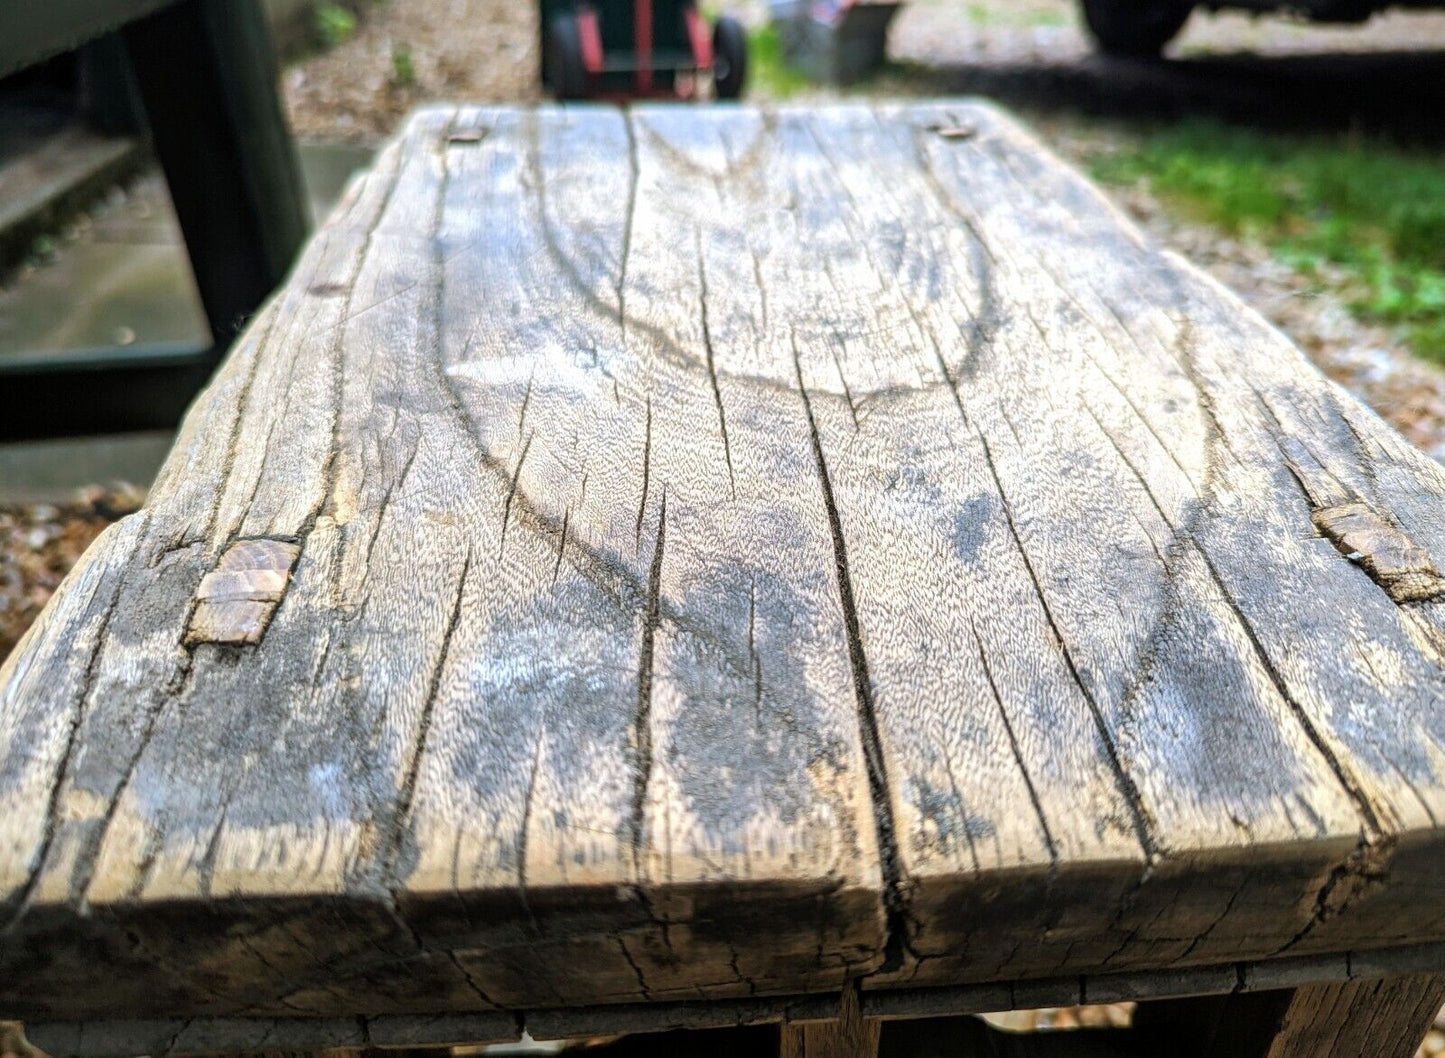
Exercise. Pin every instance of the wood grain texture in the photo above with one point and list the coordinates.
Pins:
(849, 1035)
(739, 551)
(1380, 1018)
(1374, 1019)
(175, 1037)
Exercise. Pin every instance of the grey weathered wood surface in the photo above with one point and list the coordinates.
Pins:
(739, 551)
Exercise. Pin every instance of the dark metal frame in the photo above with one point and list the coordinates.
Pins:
(207, 76)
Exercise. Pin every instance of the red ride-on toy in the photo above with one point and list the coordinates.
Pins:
(631, 49)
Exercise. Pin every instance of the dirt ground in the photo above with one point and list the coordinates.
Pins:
(472, 50)
(40, 542)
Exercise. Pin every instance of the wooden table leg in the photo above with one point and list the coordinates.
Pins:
(1383, 1018)
(850, 1036)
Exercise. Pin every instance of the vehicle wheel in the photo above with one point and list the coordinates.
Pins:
(1139, 28)
(729, 58)
(563, 63)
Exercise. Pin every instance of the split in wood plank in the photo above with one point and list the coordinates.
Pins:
(740, 551)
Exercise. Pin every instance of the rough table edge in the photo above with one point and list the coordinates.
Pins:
(163, 1038)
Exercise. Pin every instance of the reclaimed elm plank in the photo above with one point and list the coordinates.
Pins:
(479, 805)
(712, 755)
(1359, 673)
(741, 551)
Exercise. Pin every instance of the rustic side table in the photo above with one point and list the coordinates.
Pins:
(709, 568)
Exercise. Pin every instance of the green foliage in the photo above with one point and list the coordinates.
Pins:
(335, 24)
(768, 72)
(403, 73)
(1417, 231)
(1367, 207)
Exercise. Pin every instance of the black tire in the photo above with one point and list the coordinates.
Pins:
(729, 58)
(1136, 28)
(562, 63)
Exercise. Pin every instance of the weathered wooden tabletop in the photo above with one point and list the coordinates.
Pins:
(730, 552)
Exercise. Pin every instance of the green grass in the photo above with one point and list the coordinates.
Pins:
(769, 75)
(335, 24)
(1375, 211)
(403, 70)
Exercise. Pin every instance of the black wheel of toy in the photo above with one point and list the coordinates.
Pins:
(729, 58)
(563, 66)
(1135, 28)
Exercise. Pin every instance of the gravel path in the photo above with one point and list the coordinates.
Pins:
(40, 542)
(1048, 33)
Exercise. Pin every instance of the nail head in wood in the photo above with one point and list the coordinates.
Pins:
(1393, 561)
(236, 600)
